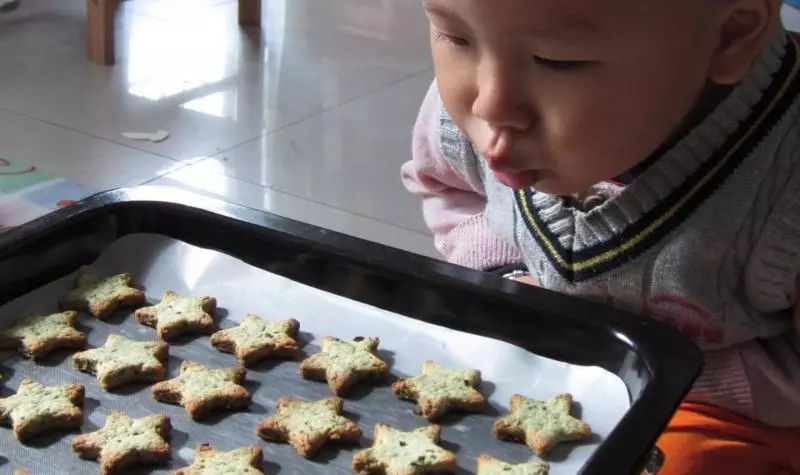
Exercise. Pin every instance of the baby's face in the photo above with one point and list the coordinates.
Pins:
(563, 94)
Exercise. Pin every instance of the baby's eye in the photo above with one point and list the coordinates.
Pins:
(453, 40)
(557, 65)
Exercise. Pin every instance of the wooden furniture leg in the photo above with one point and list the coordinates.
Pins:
(250, 12)
(100, 30)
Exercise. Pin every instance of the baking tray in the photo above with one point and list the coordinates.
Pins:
(163, 263)
(656, 364)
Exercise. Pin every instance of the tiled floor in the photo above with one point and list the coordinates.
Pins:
(309, 117)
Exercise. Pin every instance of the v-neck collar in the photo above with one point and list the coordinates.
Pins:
(670, 190)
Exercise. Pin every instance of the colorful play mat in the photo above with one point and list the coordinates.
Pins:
(26, 193)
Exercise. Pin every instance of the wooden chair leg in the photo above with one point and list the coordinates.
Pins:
(100, 16)
(250, 12)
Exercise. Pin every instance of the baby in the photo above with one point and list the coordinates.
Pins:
(643, 153)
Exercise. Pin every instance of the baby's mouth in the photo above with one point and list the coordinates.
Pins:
(499, 154)
(499, 148)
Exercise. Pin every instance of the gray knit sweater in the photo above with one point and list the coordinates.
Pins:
(707, 238)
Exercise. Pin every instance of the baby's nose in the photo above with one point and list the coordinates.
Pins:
(500, 100)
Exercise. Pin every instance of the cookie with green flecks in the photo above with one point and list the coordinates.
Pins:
(439, 390)
(121, 361)
(488, 465)
(176, 315)
(255, 339)
(210, 461)
(541, 424)
(200, 390)
(396, 452)
(100, 296)
(343, 363)
(37, 335)
(124, 442)
(307, 426)
(36, 408)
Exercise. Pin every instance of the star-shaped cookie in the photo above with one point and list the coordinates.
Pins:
(120, 361)
(307, 426)
(199, 389)
(210, 461)
(439, 390)
(405, 453)
(488, 465)
(343, 363)
(541, 424)
(176, 315)
(36, 408)
(101, 296)
(37, 335)
(125, 441)
(255, 339)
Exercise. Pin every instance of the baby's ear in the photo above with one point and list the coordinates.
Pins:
(745, 27)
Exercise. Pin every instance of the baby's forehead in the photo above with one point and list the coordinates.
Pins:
(565, 17)
(577, 12)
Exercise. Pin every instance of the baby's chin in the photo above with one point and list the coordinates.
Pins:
(546, 182)
(557, 189)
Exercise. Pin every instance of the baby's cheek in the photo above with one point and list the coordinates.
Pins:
(587, 160)
(600, 145)
(458, 99)
(456, 82)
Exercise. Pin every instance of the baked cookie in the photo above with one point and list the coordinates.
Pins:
(488, 465)
(210, 461)
(36, 408)
(541, 424)
(37, 335)
(439, 390)
(343, 363)
(124, 441)
(176, 315)
(101, 296)
(255, 339)
(121, 361)
(199, 389)
(405, 453)
(307, 426)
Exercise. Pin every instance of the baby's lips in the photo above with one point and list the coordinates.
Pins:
(499, 147)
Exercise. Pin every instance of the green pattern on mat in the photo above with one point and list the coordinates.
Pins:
(15, 176)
